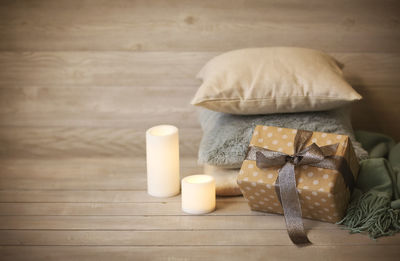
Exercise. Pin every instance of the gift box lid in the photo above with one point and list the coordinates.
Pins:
(308, 177)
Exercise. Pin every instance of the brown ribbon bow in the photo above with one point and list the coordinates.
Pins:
(313, 155)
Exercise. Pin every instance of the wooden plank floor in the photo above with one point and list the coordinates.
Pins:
(98, 209)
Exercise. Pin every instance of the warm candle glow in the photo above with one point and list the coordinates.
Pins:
(162, 157)
(162, 130)
(199, 179)
(198, 194)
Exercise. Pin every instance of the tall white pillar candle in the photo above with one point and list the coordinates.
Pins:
(198, 194)
(162, 156)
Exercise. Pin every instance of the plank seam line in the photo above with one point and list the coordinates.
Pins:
(142, 215)
(103, 202)
(164, 246)
(177, 230)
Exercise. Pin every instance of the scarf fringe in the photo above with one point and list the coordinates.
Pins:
(371, 213)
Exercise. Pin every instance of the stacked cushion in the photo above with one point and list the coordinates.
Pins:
(273, 80)
(277, 86)
(226, 136)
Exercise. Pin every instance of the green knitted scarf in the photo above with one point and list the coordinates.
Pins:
(375, 203)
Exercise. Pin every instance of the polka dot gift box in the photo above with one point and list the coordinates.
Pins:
(323, 192)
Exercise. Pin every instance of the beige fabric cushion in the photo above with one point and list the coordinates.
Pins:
(273, 80)
(225, 180)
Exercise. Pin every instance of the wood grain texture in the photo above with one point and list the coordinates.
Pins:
(328, 253)
(177, 25)
(75, 142)
(153, 222)
(110, 173)
(137, 70)
(80, 82)
(225, 208)
(90, 196)
(257, 237)
(117, 209)
(81, 92)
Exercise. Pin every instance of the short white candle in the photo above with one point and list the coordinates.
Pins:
(162, 156)
(198, 194)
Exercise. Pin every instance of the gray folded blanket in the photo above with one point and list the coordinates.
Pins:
(227, 136)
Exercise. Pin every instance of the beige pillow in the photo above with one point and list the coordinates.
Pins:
(273, 80)
(225, 180)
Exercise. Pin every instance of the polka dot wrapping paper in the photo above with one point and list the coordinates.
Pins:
(322, 192)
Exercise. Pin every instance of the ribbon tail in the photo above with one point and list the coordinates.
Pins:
(291, 205)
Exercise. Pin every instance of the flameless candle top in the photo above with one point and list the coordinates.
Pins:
(162, 130)
(194, 179)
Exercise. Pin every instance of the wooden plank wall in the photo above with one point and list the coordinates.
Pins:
(81, 81)
(87, 78)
